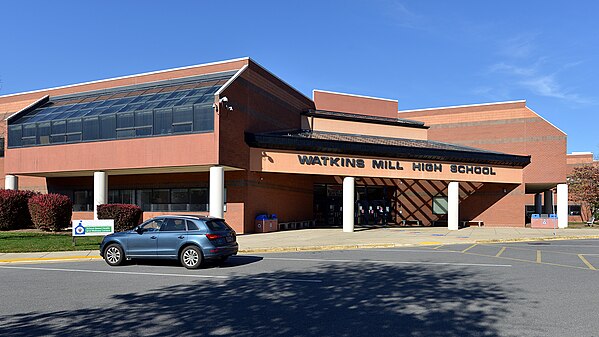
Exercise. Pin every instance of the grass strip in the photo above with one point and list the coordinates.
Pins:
(22, 242)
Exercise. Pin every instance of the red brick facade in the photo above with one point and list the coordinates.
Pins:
(258, 101)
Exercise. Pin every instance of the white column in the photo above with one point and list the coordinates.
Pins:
(217, 192)
(100, 190)
(11, 182)
(349, 194)
(562, 205)
(453, 201)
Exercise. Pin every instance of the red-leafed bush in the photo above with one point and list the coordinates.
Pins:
(14, 212)
(51, 211)
(125, 216)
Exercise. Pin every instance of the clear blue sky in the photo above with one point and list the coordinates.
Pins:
(423, 53)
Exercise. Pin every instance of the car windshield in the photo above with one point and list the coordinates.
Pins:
(217, 225)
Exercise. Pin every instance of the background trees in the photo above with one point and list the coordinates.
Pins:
(584, 188)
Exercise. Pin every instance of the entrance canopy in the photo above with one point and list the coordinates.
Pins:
(327, 153)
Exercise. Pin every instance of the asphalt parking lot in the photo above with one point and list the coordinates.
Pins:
(546, 288)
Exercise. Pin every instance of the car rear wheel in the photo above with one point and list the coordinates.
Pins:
(114, 255)
(191, 257)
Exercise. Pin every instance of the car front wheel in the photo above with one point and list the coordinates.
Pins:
(191, 257)
(114, 255)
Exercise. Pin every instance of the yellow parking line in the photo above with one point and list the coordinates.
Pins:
(429, 243)
(586, 262)
(519, 260)
(500, 252)
(467, 249)
(538, 256)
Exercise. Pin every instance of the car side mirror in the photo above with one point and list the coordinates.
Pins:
(139, 230)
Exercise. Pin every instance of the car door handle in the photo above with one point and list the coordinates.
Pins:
(180, 236)
(152, 237)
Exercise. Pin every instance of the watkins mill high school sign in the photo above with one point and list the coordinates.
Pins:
(391, 165)
(282, 161)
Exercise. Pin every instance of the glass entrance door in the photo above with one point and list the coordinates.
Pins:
(373, 205)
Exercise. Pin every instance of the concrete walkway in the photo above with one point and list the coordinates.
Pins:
(330, 239)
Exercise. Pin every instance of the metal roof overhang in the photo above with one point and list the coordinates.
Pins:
(281, 142)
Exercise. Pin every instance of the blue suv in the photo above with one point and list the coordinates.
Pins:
(190, 239)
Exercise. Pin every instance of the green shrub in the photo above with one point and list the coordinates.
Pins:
(126, 216)
(51, 211)
(14, 211)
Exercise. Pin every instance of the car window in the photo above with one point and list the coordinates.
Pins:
(172, 225)
(152, 225)
(192, 226)
(217, 225)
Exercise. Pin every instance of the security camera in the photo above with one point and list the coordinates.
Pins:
(223, 100)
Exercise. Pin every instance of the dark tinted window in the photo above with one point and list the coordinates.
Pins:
(1, 147)
(107, 127)
(172, 225)
(176, 106)
(203, 118)
(59, 127)
(82, 201)
(73, 125)
(163, 121)
(192, 226)
(217, 225)
(43, 132)
(125, 120)
(14, 135)
(91, 128)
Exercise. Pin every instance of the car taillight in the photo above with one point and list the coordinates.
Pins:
(213, 236)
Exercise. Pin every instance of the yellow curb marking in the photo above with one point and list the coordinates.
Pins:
(538, 256)
(467, 249)
(586, 262)
(429, 243)
(26, 259)
(500, 252)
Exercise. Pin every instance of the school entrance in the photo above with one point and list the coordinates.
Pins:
(373, 208)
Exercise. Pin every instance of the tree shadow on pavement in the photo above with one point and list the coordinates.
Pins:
(350, 300)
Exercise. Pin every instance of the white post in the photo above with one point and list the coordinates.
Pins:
(349, 194)
(11, 182)
(100, 190)
(562, 205)
(217, 192)
(453, 201)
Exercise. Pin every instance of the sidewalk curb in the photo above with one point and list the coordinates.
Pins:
(321, 248)
(315, 248)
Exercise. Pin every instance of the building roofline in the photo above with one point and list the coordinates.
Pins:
(280, 79)
(464, 106)
(34, 104)
(229, 81)
(543, 118)
(342, 147)
(126, 76)
(353, 95)
(353, 117)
